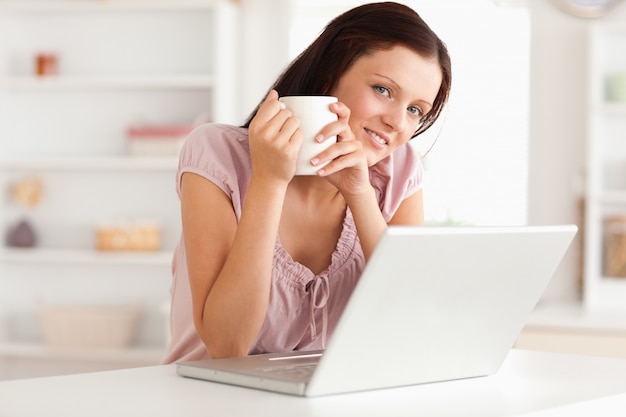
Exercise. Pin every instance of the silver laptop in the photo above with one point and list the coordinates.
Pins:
(433, 304)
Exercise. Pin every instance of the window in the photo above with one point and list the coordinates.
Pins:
(476, 172)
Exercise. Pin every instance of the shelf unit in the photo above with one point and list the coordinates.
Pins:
(606, 169)
(120, 63)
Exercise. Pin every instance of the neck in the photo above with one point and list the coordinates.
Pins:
(312, 188)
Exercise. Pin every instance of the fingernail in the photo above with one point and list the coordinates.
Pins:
(314, 161)
(319, 138)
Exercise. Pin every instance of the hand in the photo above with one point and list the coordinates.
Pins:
(275, 139)
(348, 167)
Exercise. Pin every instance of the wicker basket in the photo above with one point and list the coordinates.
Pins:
(615, 246)
(89, 326)
(128, 236)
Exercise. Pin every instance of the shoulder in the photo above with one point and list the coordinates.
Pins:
(219, 153)
(216, 136)
(403, 166)
(406, 155)
(396, 178)
(211, 144)
(219, 130)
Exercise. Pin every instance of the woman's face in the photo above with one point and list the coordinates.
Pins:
(388, 91)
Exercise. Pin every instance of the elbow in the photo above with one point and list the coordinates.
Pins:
(216, 352)
(220, 345)
(220, 349)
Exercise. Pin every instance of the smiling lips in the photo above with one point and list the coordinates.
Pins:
(377, 139)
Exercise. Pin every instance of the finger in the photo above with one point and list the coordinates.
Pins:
(341, 110)
(340, 128)
(274, 122)
(290, 127)
(338, 164)
(336, 151)
(268, 108)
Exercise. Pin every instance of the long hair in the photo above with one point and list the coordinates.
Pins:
(358, 32)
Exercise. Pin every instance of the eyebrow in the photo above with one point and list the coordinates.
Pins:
(400, 88)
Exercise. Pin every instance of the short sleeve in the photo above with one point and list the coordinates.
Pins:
(395, 178)
(221, 154)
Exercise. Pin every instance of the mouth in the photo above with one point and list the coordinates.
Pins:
(376, 138)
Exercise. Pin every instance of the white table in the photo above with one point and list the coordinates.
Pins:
(528, 383)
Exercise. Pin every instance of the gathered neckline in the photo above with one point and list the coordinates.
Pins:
(301, 274)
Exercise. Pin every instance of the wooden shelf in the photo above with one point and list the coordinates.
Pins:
(84, 256)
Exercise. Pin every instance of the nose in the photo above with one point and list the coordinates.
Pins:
(395, 117)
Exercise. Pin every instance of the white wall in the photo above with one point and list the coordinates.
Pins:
(265, 48)
(558, 126)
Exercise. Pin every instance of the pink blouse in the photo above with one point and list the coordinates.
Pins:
(304, 308)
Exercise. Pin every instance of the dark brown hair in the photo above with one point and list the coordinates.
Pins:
(357, 32)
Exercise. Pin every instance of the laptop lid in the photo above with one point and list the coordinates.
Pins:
(433, 304)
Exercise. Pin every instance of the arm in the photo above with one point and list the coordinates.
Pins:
(410, 212)
(230, 263)
(370, 223)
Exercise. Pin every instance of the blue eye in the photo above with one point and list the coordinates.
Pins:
(415, 110)
(382, 90)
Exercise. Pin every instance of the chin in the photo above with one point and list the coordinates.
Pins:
(374, 159)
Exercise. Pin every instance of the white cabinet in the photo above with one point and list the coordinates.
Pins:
(605, 226)
(572, 329)
(119, 63)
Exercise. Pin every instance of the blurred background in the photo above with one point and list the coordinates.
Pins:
(96, 97)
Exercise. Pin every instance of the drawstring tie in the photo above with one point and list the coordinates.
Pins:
(319, 298)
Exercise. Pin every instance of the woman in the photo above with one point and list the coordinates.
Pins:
(267, 260)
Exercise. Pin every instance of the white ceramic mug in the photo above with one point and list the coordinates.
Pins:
(314, 113)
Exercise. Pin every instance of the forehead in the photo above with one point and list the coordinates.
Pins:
(415, 75)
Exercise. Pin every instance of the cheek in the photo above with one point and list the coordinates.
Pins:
(361, 108)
